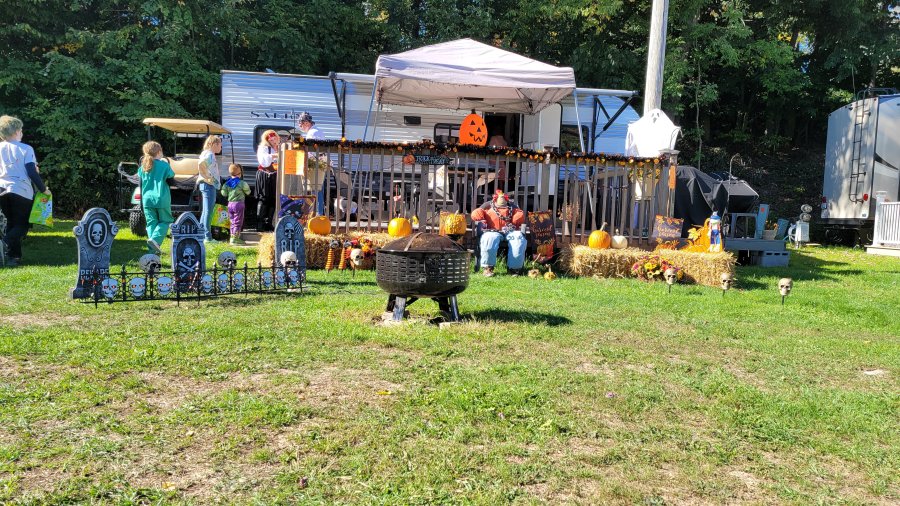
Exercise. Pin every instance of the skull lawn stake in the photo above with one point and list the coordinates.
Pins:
(137, 287)
(289, 261)
(671, 276)
(164, 285)
(206, 283)
(109, 287)
(785, 285)
(150, 264)
(726, 279)
(356, 257)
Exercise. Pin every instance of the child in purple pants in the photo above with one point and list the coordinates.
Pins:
(236, 190)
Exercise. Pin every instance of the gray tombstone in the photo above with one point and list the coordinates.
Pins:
(289, 237)
(188, 252)
(94, 235)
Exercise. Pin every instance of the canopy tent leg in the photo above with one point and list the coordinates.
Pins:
(369, 114)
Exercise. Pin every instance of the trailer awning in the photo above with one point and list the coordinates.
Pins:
(188, 126)
(465, 74)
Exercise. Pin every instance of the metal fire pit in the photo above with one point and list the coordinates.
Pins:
(422, 266)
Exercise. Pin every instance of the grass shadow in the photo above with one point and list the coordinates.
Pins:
(512, 316)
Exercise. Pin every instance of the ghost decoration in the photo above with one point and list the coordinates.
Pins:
(137, 287)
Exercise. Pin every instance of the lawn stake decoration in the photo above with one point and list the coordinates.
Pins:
(188, 252)
(785, 285)
(94, 235)
(727, 279)
(671, 275)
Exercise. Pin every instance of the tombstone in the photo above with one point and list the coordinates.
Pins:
(188, 252)
(94, 235)
(289, 237)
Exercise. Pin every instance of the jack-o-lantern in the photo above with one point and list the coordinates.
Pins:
(473, 131)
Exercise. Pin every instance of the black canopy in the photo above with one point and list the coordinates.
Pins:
(698, 194)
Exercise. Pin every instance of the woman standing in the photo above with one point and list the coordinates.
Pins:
(18, 172)
(210, 182)
(264, 191)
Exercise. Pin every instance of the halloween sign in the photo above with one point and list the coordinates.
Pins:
(667, 229)
(473, 131)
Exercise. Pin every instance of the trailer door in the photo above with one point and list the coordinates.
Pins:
(887, 149)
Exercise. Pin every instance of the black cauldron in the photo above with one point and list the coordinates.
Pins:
(422, 266)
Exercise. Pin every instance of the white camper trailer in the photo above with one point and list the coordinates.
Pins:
(340, 105)
(862, 159)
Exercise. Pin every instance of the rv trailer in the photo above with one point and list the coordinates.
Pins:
(862, 159)
(341, 105)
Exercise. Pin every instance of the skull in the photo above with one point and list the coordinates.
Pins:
(222, 282)
(238, 282)
(137, 286)
(150, 263)
(289, 259)
(206, 283)
(671, 276)
(164, 285)
(227, 260)
(785, 285)
(356, 256)
(267, 279)
(188, 257)
(726, 279)
(109, 287)
(279, 277)
(293, 276)
(97, 233)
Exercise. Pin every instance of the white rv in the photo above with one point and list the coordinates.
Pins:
(342, 106)
(862, 160)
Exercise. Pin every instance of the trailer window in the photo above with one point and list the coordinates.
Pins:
(568, 137)
(283, 132)
(446, 133)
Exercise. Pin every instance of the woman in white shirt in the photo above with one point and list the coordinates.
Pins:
(210, 181)
(264, 190)
(18, 172)
(316, 179)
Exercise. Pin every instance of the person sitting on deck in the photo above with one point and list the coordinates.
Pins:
(501, 220)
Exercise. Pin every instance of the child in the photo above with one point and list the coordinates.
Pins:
(156, 176)
(236, 191)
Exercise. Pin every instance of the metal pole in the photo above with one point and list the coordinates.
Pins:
(578, 120)
(371, 101)
(656, 55)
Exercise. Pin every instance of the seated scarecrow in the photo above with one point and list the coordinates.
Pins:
(501, 220)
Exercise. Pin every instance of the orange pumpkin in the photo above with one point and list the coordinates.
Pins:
(599, 239)
(320, 225)
(409, 159)
(473, 131)
(399, 227)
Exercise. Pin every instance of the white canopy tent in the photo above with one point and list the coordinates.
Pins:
(465, 74)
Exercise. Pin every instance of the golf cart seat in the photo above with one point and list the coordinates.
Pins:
(184, 166)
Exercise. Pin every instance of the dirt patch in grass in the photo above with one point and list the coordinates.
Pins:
(40, 320)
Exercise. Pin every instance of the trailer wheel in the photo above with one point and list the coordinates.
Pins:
(865, 236)
(136, 222)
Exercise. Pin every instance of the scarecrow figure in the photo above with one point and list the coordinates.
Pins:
(501, 220)
(715, 233)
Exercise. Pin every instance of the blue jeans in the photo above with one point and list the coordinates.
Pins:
(208, 193)
(490, 241)
(320, 201)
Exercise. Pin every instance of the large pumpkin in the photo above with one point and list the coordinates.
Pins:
(399, 227)
(473, 131)
(599, 239)
(454, 224)
(320, 225)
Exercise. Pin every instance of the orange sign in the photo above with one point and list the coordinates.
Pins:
(293, 158)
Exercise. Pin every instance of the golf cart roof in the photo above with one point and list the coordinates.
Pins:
(187, 126)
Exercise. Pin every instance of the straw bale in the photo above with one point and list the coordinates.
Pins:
(317, 247)
(701, 268)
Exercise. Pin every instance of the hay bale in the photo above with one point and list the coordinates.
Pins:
(700, 268)
(317, 247)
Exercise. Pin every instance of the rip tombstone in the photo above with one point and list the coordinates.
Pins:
(94, 235)
(188, 252)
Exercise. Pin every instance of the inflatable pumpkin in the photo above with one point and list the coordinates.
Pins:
(399, 227)
(320, 225)
(473, 131)
(599, 239)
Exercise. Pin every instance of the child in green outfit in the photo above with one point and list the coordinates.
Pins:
(156, 199)
(236, 190)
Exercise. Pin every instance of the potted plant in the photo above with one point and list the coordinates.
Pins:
(771, 229)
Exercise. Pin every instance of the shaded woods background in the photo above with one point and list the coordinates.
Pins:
(756, 76)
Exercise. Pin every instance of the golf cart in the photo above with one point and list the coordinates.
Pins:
(185, 193)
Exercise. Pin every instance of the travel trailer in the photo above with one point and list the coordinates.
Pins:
(342, 106)
(862, 161)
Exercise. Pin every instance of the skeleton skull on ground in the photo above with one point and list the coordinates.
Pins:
(671, 276)
(227, 260)
(206, 283)
(356, 257)
(150, 263)
(289, 259)
(785, 285)
(164, 285)
(109, 287)
(726, 279)
(137, 286)
(96, 233)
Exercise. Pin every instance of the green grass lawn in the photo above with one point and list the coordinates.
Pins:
(573, 391)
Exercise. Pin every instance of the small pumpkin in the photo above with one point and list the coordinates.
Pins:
(599, 239)
(319, 225)
(455, 224)
(619, 241)
(399, 227)
(473, 131)
(409, 159)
